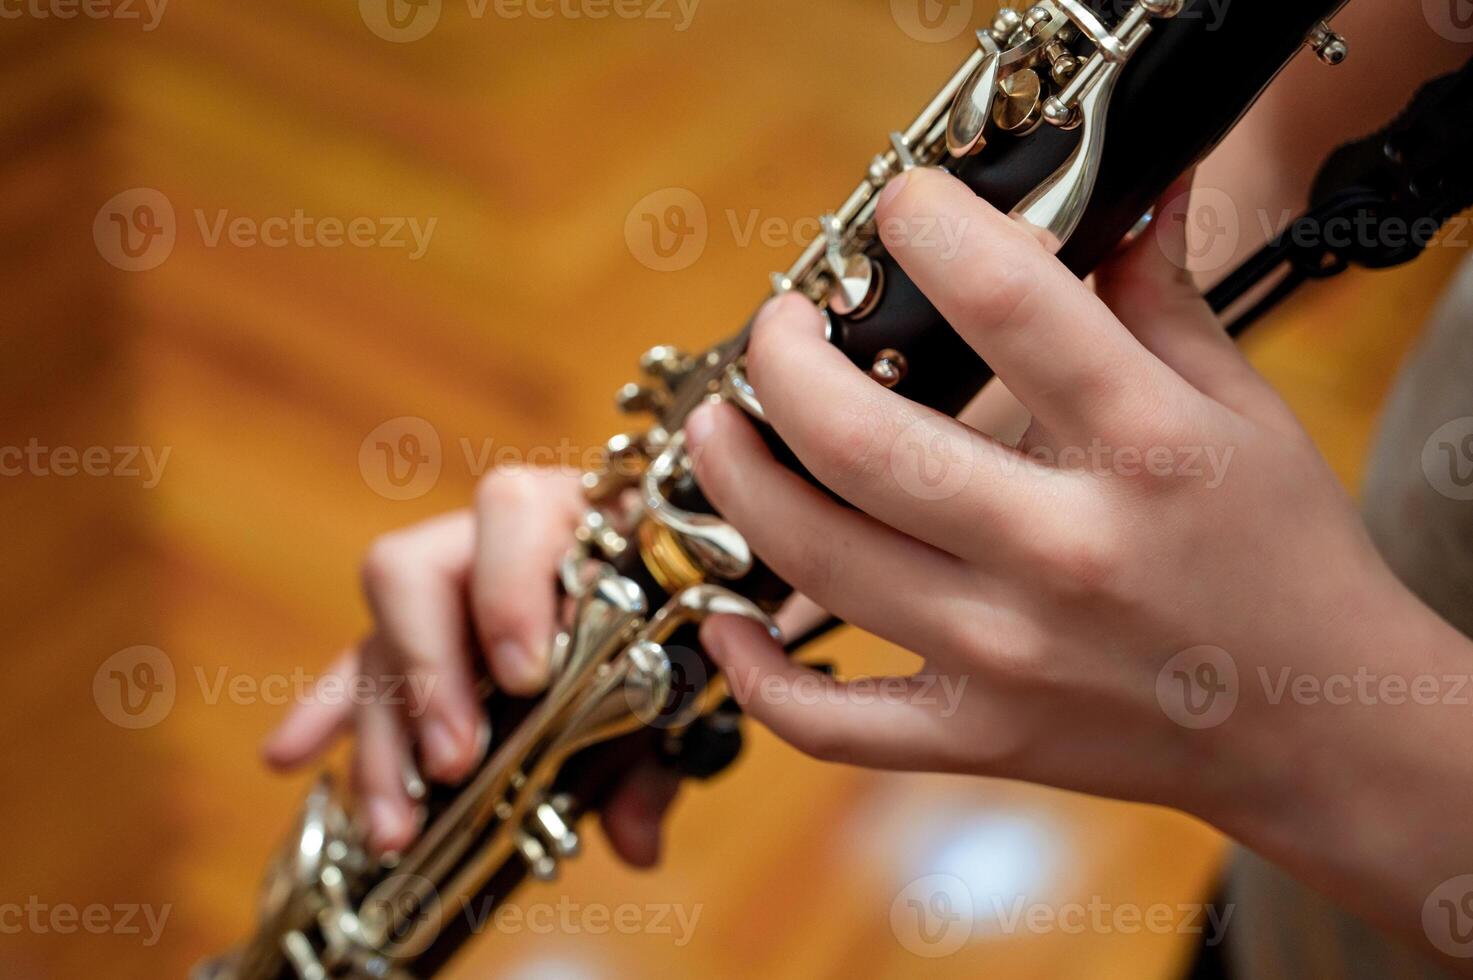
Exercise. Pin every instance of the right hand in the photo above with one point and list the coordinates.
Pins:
(472, 583)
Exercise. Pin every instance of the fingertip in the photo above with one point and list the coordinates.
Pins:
(917, 192)
(782, 320)
(739, 647)
(451, 746)
(634, 818)
(297, 740)
(786, 306)
(699, 425)
(903, 192)
(278, 756)
(637, 843)
(729, 635)
(716, 445)
(390, 824)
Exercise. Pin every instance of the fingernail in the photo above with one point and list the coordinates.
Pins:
(893, 187)
(765, 311)
(520, 662)
(483, 740)
(442, 749)
(699, 425)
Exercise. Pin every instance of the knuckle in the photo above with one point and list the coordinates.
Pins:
(500, 612)
(770, 333)
(846, 449)
(1002, 298)
(1084, 567)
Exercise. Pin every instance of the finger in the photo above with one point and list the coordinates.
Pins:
(525, 521)
(1051, 341)
(311, 727)
(415, 584)
(632, 820)
(914, 469)
(880, 722)
(798, 615)
(1150, 289)
(380, 761)
(840, 558)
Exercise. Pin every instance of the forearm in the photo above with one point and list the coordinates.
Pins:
(1363, 786)
(1265, 166)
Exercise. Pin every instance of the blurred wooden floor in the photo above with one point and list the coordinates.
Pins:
(262, 370)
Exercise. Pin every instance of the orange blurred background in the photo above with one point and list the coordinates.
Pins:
(252, 375)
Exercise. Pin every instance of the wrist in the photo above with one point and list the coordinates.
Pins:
(1357, 771)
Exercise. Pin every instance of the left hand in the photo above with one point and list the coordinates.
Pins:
(1163, 499)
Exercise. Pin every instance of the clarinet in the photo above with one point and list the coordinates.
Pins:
(1074, 117)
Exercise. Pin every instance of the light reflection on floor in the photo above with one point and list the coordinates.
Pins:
(997, 849)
